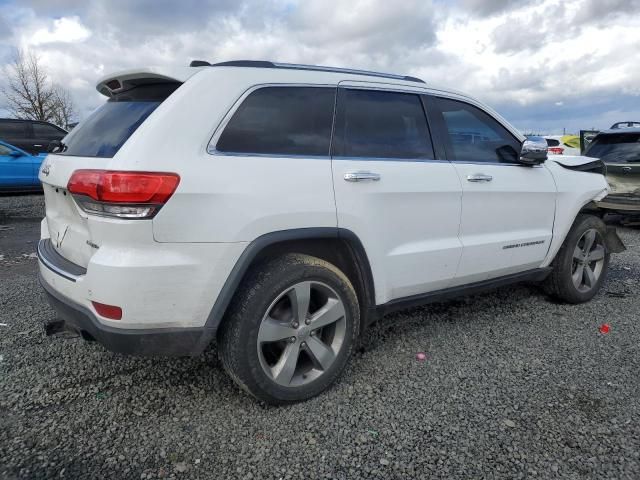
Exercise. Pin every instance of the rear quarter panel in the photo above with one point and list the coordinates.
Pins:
(225, 198)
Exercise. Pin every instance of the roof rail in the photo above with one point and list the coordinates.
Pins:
(293, 66)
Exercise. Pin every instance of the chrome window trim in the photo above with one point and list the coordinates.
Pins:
(361, 85)
(503, 164)
(390, 159)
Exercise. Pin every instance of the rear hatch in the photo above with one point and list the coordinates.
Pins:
(92, 145)
(620, 152)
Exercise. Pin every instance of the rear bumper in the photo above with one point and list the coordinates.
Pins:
(157, 341)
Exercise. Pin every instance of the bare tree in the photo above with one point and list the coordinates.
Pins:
(31, 95)
(62, 112)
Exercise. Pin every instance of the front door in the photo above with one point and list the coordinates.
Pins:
(393, 193)
(507, 209)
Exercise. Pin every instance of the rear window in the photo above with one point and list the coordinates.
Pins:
(281, 121)
(552, 142)
(110, 126)
(12, 130)
(616, 148)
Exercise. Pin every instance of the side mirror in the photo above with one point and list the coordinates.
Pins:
(15, 153)
(54, 146)
(534, 151)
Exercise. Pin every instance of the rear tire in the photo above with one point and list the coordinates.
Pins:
(290, 329)
(581, 265)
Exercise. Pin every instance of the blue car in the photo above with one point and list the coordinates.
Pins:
(19, 169)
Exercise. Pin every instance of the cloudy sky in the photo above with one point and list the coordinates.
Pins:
(545, 65)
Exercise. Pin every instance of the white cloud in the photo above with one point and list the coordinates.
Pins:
(522, 57)
(64, 30)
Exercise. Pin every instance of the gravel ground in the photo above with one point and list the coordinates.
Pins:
(513, 386)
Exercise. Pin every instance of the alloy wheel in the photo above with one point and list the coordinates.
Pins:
(301, 333)
(588, 260)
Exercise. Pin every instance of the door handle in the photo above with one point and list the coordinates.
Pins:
(479, 177)
(361, 176)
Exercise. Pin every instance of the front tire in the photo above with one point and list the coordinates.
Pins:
(290, 330)
(581, 264)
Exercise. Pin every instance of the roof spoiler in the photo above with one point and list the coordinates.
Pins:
(126, 79)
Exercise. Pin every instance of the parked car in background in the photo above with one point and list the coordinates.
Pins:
(19, 169)
(563, 144)
(625, 125)
(619, 149)
(32, 136)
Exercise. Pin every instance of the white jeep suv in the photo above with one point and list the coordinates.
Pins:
(277, 210)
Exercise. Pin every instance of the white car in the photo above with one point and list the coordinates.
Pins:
(277, 210)
(557, 147)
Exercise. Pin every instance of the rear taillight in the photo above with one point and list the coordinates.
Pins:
(122, 194)
(555, 150)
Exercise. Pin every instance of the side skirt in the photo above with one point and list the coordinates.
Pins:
(536, 275)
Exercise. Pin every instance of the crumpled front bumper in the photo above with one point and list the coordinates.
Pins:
(621, 203)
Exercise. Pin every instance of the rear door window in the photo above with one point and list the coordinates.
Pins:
(13, 130)
(104, 132)
(381, 124)
(616, 148)
(281, 121)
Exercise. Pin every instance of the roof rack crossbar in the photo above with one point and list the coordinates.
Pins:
(294, 66)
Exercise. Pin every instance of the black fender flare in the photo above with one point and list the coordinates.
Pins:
(256, 246)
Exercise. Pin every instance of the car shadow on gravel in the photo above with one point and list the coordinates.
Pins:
(453, 311)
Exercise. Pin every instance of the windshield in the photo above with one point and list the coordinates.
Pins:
(616, 148)
(110, 126)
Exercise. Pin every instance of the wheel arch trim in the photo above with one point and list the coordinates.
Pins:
(254, 248)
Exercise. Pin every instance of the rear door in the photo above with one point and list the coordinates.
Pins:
(393, 192)
(507, 209)
(17, 133)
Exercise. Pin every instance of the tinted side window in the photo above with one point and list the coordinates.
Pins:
(4, 150)
(379, 124)
(472, 135)
(42, 130)
(281, 121)
(12, 130)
